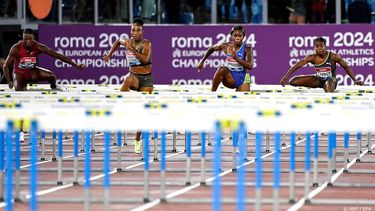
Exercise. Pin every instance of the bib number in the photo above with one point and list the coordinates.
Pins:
(27, 62)
(324, 72)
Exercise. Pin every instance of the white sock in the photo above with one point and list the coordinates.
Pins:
(22, 136)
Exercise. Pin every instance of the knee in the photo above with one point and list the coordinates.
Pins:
(293, 82)
(330, 85)
(19, 84)
(329, 88)
(17, 87)
(52, 76)
(129, 81)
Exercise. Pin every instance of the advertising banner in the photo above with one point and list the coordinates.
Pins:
(177, 49)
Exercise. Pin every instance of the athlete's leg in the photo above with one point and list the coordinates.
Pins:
(305, 80)
(42, 74)
(142, 89)
(22, 134)
(138, 135)
(222, 74)
(20, 83)
(146, 89)
(245, 87)
(330, 85)
(130, 83)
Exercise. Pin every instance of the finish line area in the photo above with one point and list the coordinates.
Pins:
(281, 148)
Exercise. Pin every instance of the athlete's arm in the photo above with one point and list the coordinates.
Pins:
(9, 60)
(210, 50)
(248, 63)
(295, 67)
(346, 67)
(114, 47)
(145, 55)
(54, 54)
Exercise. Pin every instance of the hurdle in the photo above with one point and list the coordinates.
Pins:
(258, 172)
(119, 144)
(263, 127)
(369, 143)
(292, 165)
(316, 159)
(307, 167)
(203, 158)
(162, 167)
(276, 187)
(33, 169)
(43, 143)
(346, 152)
(87, 184)
(106, 170)
(2, 144)
(75, 173)
(60, 158)
(188, 157)
(9, 166)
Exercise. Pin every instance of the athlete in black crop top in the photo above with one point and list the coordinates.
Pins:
(325, 68)
(138, 55)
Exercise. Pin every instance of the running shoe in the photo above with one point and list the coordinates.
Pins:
(60, 88)
(137, 146)
(22, 137)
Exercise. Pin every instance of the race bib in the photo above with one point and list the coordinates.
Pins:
(27, 62)
(233, 65)
(132, 59)
(324, 72)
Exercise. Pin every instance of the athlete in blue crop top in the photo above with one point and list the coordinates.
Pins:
(238, 61)
(325, 68)
(138, 55)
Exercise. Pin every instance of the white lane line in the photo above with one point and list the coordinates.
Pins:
(187, 189)
(69, 156)
(319, 189)
(64, 140)
(54, 189)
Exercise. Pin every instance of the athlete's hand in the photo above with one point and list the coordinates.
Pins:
(122, 40)
(128, 45)
(11, 84)
(284, 81)
(200, 66)
(230, 49)
(80, 66)
(106, 58)
(359, 82)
